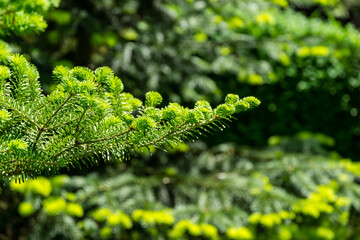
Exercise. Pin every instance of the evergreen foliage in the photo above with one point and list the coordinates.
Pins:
(226, 193)
(333, 8)
(204, 50)
(88, 115)
(294, 189)
(21, 17)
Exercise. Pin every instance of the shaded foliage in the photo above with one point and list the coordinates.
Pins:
(305, 68)
(229, 192)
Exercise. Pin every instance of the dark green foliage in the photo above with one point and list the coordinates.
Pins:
(343, 9)
(227, 193)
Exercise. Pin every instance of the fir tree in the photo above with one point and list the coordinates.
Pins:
(293, 190)
(88, 115)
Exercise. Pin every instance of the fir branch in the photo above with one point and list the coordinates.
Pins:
(108, 138)
(21, 114)
(56, 111)
(180, 131)
(79, 122)
(79, 144)
(59, 125)
(43, 128)
(108, 131)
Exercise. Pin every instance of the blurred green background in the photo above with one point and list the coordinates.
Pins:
(282, 171)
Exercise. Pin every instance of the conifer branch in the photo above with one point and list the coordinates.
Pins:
(78, 144)
(43, 128)
(56, 111)
(78, 124)
(21, 114)
(67, 149)
(59, 125)
(71, 140)
(108, 138)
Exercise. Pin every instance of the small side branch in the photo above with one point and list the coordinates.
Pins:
(180, 130)
(78, 124)
(43, 127)
(78, 144)
(56, 111)
(25, 116)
